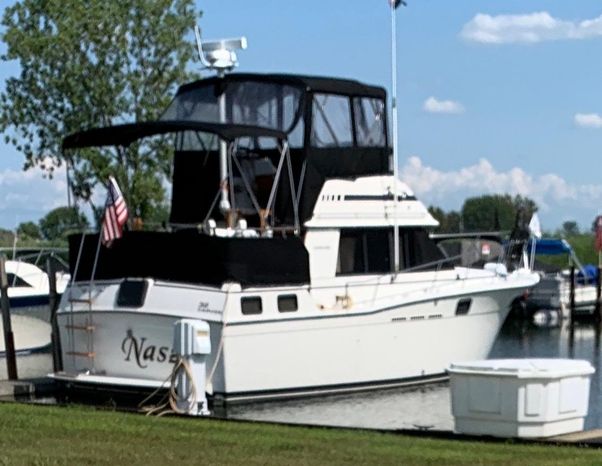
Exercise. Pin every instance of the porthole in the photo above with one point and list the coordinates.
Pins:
(287, 303)
(251, 305)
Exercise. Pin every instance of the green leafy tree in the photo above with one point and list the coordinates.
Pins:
(62, 221)
(449, 222)
(569, 228)
(29, 230)
(7, 237)
(495, 212)
(95, 63)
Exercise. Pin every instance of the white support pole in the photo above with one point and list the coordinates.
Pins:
(224, 204)
(395, 136)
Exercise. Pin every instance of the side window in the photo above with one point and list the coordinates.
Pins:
(251, 305)
(364, 251)
(287, 303)
(331, 121)
(369, 122)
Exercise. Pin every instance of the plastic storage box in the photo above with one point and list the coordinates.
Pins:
(520, 397)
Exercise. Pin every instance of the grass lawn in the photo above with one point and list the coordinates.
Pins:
(81, 435)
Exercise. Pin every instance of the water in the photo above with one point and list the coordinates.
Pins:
(421, 407)
(430, 406)
(29, 366)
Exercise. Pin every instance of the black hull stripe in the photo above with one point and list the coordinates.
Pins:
(272, 395)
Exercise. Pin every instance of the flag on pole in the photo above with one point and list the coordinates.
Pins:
(116, 214)
(535, 226)
(396, 3)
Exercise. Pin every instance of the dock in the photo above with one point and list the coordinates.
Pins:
(26, 389)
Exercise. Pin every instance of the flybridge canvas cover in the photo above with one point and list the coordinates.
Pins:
(336, 129)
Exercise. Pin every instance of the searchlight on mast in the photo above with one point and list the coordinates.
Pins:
(220, 56)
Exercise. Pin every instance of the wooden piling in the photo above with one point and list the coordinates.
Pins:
(53, 303)
(572, 293)
(9, 339)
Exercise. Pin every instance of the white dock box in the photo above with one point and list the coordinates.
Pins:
(520, 397)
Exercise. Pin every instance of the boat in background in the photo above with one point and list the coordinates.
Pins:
(28, 288)
(552, 293)
(28, 292)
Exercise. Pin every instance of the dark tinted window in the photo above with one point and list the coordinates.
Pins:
(251, 305)
(364, 251)
(370, 251)
(132, 293)
(287, 303)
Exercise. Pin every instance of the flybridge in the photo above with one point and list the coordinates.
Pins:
(285, 135)
(334, 128)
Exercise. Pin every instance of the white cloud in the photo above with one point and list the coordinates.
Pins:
(550, 191)
(432, 105)
(528, 28)
(588, 120)
(28, 196)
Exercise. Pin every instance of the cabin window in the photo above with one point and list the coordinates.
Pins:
(251, 305)
(132, 293)
(287, 303)
(16, 281)
(463, 306)
(370, 251)
(331, 126)
(369, 122)
(364, 251)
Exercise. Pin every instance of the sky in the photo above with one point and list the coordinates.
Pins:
(501, 96)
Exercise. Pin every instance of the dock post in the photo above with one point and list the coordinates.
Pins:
(53, 302)
(572, 294)
(597, 310)
(9, 339)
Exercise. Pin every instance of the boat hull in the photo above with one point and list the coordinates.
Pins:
(325, 351)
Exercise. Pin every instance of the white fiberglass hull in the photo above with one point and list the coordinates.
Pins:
(315, 349)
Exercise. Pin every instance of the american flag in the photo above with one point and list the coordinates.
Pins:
(116, 214)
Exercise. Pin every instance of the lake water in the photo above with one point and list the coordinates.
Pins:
(421, 407)
(430, 406)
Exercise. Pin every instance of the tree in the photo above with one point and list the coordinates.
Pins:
(495, 212)
(570, 228)
(62, 221)
(449, 222)
(95, 63)
(29, 230)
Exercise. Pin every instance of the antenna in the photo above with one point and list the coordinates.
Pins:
(219, 55)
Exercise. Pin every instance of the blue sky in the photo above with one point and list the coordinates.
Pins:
(495, 96)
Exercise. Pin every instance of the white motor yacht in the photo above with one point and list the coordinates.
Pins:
(282, 236)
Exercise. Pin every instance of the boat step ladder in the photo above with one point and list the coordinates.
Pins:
(86, 327)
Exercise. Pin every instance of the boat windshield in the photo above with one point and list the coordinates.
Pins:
(267, 105)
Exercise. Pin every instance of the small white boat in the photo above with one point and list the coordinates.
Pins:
(28, 289)
(30, 335)
(28, 294)
(553, 292)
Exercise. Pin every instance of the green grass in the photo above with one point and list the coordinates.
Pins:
(80, 435)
